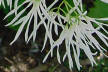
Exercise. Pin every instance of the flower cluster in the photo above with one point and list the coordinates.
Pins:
(77, 32)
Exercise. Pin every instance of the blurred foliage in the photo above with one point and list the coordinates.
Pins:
(99, 10)
(102, 66)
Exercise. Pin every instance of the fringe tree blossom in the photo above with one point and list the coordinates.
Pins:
(78, 29)
(78, 35)
(39, 8)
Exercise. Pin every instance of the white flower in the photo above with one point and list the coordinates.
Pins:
(78, 34)
(38, 10)
(105, 1)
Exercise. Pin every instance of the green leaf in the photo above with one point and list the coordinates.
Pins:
(99, 10)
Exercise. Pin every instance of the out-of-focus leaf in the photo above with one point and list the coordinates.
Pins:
(99, 10)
